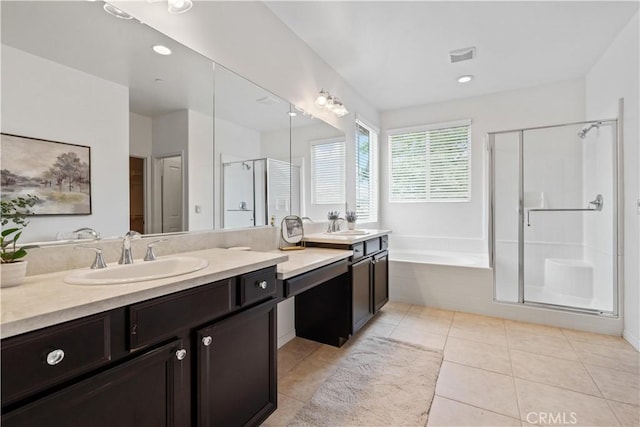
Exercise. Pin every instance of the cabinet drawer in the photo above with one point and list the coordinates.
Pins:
(36, 360)
(358, 251)
(308, 280)
(257, 286)
(371, 246)
(163, 317)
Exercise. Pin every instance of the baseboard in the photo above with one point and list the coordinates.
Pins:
(633, 340)
(286, 338)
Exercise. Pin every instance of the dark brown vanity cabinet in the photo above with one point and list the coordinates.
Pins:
(149, 390)
(369, 278)
(205, 356)
(236, 381)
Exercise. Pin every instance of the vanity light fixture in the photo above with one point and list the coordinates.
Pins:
(465, 79)
(331, 103)
(161, 50)
(114, 11)
(179, 6)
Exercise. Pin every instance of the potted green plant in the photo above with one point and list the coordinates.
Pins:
(351, 218)
(14, 211)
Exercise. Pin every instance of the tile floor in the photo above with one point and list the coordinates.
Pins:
(495, 372)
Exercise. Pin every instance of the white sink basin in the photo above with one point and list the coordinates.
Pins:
(138, 271)
(349, 233)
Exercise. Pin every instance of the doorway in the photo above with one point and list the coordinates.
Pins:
(137, 185)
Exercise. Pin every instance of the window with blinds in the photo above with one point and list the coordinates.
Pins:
(366, 173)
(432, 163)
(327, 172)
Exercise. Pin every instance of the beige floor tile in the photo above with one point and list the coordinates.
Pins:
(541, 344)
(419, 337)
(302, 381)
(328, 354)
(477, 387)
(430, 311)
(446, 412)
(479, 355)
(540, 404)
(593, 338)
(433, 325)
(397, 306)
(287, 409)
(628, 415)
(287, 361)
(533, 328)
(300, 346)
(562, 373)
(616, 385)
(477, 319)
(493, 334)
(608, 356)
(392, 317)
(376, 328)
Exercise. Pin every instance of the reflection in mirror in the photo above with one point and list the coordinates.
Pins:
(252, 138)
(73, 73)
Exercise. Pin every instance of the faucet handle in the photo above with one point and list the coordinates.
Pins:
(98, 262)
(150, 255)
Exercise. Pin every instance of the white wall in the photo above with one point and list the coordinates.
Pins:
(613, 76)
(46, 100)
(555, 103)
(201, 181)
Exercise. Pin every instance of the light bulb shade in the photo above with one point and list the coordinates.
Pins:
(114, 11)
(321, 100)
(179, 6)
(331, 103)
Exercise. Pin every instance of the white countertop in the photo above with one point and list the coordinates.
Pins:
(345, 239)
(45, 300)
(302, 261)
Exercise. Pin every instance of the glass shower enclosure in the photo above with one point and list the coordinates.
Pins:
(259, 192)
(554, 216)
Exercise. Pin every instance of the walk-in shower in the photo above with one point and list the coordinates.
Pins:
(259, 192)
(554, 216)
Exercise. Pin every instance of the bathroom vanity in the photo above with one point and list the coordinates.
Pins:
(335, 301)
(198, 349)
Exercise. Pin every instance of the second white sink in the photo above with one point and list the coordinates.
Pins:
(138, 271)
(350, 232)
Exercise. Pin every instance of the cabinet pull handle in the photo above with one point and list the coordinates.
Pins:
(181, 354)
(262, 284)
(207, 341)
(54, 357)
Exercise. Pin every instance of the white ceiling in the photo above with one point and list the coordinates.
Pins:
(395, 53)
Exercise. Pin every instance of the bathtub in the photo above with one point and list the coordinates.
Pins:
(450, 280)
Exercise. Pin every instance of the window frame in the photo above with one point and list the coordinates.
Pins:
(426, 128)
(374, 180)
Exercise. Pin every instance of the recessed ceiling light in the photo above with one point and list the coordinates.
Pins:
(112, 10)
(161, 50)
(179, 6)
(465, 79)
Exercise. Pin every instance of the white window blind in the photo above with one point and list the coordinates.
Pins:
(366, 173)
(431, 163)
(327, 172)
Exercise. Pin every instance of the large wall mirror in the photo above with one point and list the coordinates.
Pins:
(178, 143)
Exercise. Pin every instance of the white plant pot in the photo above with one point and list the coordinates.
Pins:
(351, 225)
(12, 274)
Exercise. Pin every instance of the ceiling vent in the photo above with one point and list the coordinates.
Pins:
(460, 55)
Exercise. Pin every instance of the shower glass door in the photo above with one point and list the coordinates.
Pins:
(554, 216)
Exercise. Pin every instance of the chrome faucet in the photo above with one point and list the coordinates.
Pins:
(98, 262)
(334, 225)
(86, 230)
(127, 257)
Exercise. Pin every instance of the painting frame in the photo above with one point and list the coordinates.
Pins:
(59, 173)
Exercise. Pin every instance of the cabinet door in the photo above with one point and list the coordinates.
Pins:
(361, 294)
(380, 280)
(149, 390)
(237, 368)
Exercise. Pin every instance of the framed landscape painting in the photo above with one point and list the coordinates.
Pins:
(59, 174)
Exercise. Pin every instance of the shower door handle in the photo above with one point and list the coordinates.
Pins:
(598, 202)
